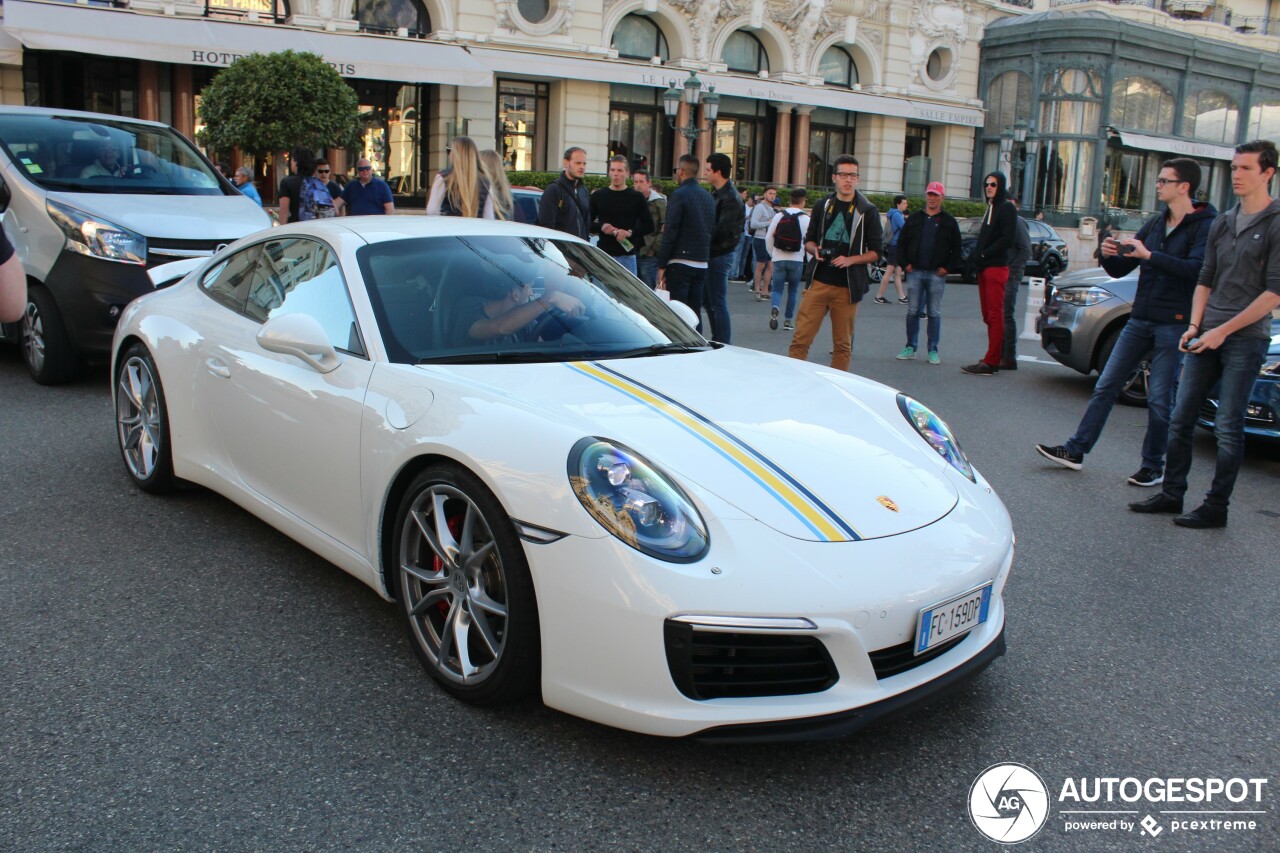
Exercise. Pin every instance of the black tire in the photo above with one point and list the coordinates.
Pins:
(46, 347)
(1052, 267)
(1134, 390)
(472, 592)
(142, 422)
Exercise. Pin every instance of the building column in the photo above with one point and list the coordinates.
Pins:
(681, 146)
(800, 153)
(184, 101)
(781, 145)
(148, 91)
(703, 150)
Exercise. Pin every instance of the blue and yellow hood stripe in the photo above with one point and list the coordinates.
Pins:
(785, 489)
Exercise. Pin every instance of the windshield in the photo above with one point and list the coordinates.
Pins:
(506, 298)
(106, 156)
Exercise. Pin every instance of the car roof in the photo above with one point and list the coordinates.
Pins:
(9, 109)
(380, 229)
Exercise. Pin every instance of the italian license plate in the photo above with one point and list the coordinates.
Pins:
(951, 618)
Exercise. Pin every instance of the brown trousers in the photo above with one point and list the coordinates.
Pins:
(819, 300)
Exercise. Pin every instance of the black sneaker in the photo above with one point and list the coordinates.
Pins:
(903, 300)
(882, 300)
(1146, 477)
(773, 319)
(979, 369)
(1158, 503)
(1203, 516)
(1064, 457)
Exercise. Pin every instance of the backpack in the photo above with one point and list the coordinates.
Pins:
(314, 201)
(786, 235)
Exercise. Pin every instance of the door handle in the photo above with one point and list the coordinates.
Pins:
(218, 369)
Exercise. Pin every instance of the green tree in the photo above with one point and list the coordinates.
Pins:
(268, 102)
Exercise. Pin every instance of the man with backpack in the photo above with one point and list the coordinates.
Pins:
(565, 204)
(845, 235)
(784, 240)
(928, 249)
(308, 193)
(893, 267)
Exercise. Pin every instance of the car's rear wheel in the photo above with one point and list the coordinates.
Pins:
(1133, 392)
(46, 347)
(142, 422)
(465, 591)
(875, 272)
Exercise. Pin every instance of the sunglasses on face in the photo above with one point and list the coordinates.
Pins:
(363, 168)
(991, 184)
(322, 171)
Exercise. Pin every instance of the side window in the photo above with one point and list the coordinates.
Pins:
(301, 276)
(229, 282)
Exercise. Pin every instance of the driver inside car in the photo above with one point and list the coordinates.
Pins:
(513, 315)
(107, 165)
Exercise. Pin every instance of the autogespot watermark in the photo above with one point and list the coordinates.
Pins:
(1010, 803)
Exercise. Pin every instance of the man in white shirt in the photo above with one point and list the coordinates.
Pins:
(788, 265)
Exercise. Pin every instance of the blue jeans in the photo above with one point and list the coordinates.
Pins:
(686, 284)
(628, 262)
(1234, 366)
(717, 299)
(1135, 339)
(924, 288)
(786, 276)
(648, 269)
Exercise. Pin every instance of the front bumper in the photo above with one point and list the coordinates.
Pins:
(91, 293)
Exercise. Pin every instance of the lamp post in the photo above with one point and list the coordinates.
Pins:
(692, 96)
(1016, 160)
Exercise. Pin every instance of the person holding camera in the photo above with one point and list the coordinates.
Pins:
(1169, 248)
(845, 236)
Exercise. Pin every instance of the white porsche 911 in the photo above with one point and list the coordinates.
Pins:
(563, 486)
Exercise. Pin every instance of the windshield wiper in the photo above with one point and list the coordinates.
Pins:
(492, 358)
(655, 349)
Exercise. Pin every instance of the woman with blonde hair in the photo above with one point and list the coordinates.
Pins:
(461, 189)
(495, 170)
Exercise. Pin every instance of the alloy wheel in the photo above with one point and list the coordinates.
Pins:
(138, 414)
(33, 338)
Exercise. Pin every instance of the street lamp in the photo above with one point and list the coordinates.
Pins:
(1016, 160)
(692, 96)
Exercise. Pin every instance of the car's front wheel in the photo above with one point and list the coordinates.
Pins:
(464, 586)
(46, 346)
(142, 422)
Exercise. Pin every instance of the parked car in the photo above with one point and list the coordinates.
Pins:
(575, 500)
(1262, 417)
(1080, 322)
(1049, 254)
(90, 202)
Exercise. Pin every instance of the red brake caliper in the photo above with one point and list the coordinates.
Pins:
(437, 564)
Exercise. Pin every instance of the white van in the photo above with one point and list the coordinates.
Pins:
(90, 203)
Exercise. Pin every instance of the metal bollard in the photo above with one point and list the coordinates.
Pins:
(1035, 301)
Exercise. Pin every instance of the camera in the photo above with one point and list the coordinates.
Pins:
(825, 254)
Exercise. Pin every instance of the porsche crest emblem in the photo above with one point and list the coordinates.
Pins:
(887, 502)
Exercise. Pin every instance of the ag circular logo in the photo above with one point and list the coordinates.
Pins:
(1008, 803)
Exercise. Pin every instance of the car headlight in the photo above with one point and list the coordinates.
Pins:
(636, 502)
(1083, 296)
(97, 237)
(935, 431)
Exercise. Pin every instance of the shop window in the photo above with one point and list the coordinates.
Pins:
(1008, 101)
(1140, 103)
(637, 37)
(915, 159)
(638, 129)
(744, 52)
(831, 133)
(1264, 121)
(389, 16)
(1211, 116)
(838, 68)
(1129, 179)
(522, 120)
(390, 137)
(1075, 118)
(74, 81)
(740, 133)
(1064, 171)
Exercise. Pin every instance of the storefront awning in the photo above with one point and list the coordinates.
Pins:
(636, 74)
(1165, 145)
(199, 41)
(10, 49)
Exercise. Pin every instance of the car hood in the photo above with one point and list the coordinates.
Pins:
(813, 453)
(173, 217)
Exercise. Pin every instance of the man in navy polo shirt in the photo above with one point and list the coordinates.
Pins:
(367, 195)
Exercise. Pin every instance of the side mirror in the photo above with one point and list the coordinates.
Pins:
(684, 312)
(302, 336)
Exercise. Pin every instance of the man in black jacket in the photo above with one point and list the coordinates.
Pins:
(565, 204)
(928, 249)
(686, 239)
(620, 215)
(845, 236)
(725, 240)
(999, 230)
(1169, 248)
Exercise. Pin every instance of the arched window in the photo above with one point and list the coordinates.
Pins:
(744, 52)
(837, 68)
(1140, 103)
(1008, 100)
(387, 16)
(637, 37)
(1211, 116)
(1071, 103)
(1264, 121)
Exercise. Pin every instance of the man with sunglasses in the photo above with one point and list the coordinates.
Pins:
(845, 236)
(367, 195)
(1169, 249)
(995, 240)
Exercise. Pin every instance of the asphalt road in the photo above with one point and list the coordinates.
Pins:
(174, 675)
